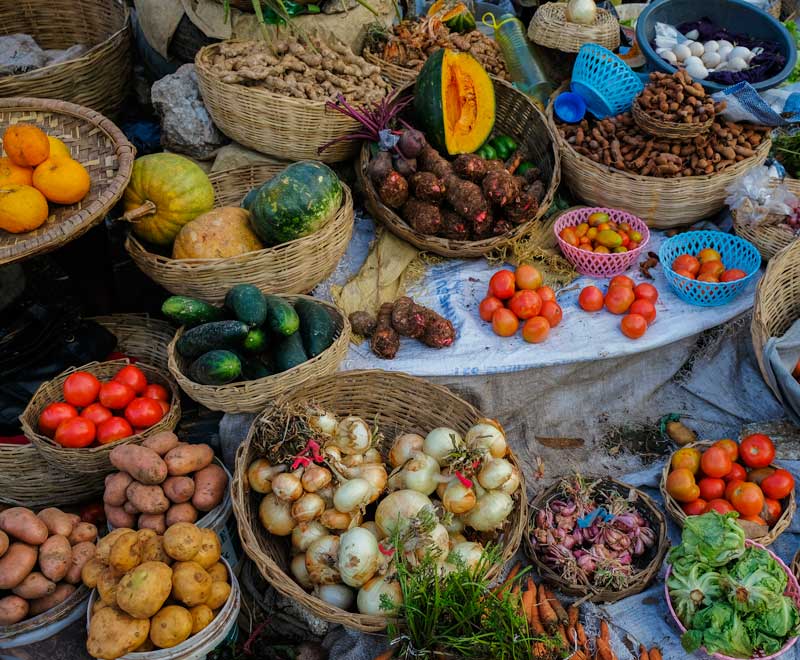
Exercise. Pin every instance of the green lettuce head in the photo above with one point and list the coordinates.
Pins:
(693, 590)
(713, 538)
(755, 583)
(720, 630)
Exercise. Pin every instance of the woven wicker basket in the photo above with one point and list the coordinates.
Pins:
(100, 78)
(51, 621)
(93, 462)
(774, 9)
(254, 395)
(551, 29)
(768, 238)
(293, 267)
(651, 512)
(140, 336)
(518, 117)
(276, 125)
(398, 403)
(94, 141)
(675, 511)
(795, 566)
(668, 129)
(394, 74)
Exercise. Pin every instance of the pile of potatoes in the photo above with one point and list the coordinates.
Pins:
(41, 558)
(162, 482)
(155, 591)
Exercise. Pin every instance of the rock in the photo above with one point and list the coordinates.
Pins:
(338, 6)
(186, 126)
(20, 53)
(65, 55)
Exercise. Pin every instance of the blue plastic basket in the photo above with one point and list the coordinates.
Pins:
(735, 252)
(606, 83)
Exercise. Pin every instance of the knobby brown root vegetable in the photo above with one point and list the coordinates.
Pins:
(439, 332)
(408, 318)
(499, 187)
(405, 166)
(427, 186)
(430, 160)
(454, 226)
(385, 340)
(363, 323)
(470, 167)
(393, 190)
(467, 200)
(423, 217)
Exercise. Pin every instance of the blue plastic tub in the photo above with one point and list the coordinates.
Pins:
(735, 15)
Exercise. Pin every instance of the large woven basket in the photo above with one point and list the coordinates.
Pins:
(97, 144)
(394, 74)
(99, 79)
(254, 395)
(551, 29)
(280, 126)
(293, 267)
(140, 336)
(93, 462)
(667, 129)
(517, 116)
(675, 511)
(397, 403)
(768, 238)
(646, 507)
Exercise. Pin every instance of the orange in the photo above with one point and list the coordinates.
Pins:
(14, 174)
(57, 148)
(26, 145)
(22, 208)
(62, 180)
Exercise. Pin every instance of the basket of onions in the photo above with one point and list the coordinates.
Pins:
(596, 538)
(334, 473)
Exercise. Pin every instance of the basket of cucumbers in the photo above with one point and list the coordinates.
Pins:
(239, 357)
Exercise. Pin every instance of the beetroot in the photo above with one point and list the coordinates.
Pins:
(406, 166)
(411, 142)
(379, 167)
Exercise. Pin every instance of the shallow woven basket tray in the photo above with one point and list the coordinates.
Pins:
(254, 395)
(394, 74)
(667, 129)
(98, 79)
(646, 506)
(517, 116)
(46, 619)
(293, 267)
(93, 462)
(768, 238)
(663, 203)
(97, 144)
(675, 511)
(777, 302)
(276, 125)
(397, 403)
(551, 29)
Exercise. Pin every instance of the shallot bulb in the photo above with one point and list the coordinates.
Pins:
(315, 477)
(308, 507)
(353, 436)
(299, 571)
(352, 495)
(322, 558)
(337, 595)
(287, 487)
(494, 473)
(306, 533)
(441, 442)
(404, 447)
(490, 512)
(458, 498)
(276, 515)
(488, 436)
(323, 422)
(358, 556)
(369, 599)
(260, 475)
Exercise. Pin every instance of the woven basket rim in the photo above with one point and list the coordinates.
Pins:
(667, 129)
(48, 617)
(552, 16)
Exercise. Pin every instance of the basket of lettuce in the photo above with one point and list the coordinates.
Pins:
(729, 594)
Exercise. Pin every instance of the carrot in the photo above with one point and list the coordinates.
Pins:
(582, 641)
(572, 615)
(546, 612)
(604, 633)
(655, 653)
(528, 599)
(532, 614)
(386, 655)
(540, 651)
(572, 636)
(557, 606)
(604, 651)
(562, 633)
(500, 588)
(643, 654)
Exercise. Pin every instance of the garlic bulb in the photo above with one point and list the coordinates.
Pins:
(696, 48)
(740, 51)
(668, 55)
(736, 64)
(681, 51)
(711, 59)
(582, 12)
(695, 68)
(711, 46)
(724, 50)
(692, 34)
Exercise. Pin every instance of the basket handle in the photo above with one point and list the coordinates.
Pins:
(136, 214)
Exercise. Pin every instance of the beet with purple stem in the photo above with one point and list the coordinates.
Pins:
(406, 166)
(411, 142)
(379, 167)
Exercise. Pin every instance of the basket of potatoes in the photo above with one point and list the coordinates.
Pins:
(159, 596)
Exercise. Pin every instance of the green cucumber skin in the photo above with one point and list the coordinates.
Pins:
(247, 304)
(255, 341)
(282, 319)
(183, 310)
(254, 368)
(288, 353)
(317, 328)
(217, 367)
(209, 336)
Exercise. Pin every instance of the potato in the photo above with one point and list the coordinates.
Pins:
(57, 521)
(105, 544)
(98, 605)
(182, 541)
(90, 572)
(210, 549)
(178, 513)
(35, 585)
(116, 483)
(118, 517)
(178, 489)
(142, 591)
(681, 434)
(74, 518)
(142, 463)
(83, 532)
(3, 543)
(188, 458)
(81, 553)
(55, 557)
(170, 626)
(13, 609)
(145, 646)
(153, 550)
(107, 583)
(130, 508)
(209, 487)
(22, 524)
(161, 442)
(126, 553)
(113, 633)
(201, 617)
(155, 521)
(146, 534)
(191, 584)
(219, 594)
(19, 560)
(147, 499)
(218, 572)
(40, 605)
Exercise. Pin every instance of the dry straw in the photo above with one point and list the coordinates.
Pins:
(97, 144)
(668, 129)
(293, 267)
(394, 74)
(254, 395)
(766, 235)
(100, 78)
(517, 116)
(551, 29)
(397, 403)
(675, 511)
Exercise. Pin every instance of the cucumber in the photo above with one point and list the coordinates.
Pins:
(254, 368)
(317, 328)
(216, 367)
(255, 341)
(281, 317)
(207, 337)
(247, 304)
(182, 310)
(289, 353)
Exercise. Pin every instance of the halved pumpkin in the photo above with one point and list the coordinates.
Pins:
(455, 16)
(454, 102)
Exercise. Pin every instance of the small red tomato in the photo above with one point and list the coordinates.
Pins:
(618, 299)
(53, 415)
(695, 508)
(645, 291)
(81, 388)
(732, 275)
(536, 330)
(546, 293)
(715, 462)
(720, 506)
(525, 304)
(737, 473)
(528, 277)
(486, 309)
(633, 326)
(758, 520)
(132, 376)
(732, 486)
(503, 284)
(778, 485)
(552, 311)
(591, 299)
(757, 450)
(621, 280)
(504, 322)
(113, 429)
(772, 510)
(747, 499)
(116, 395)
(93, 512)
(143, 413)
(75, 432)
(643, 308)
(97, 412)
(729, 447)
(156, 391)
(711, 488)
(164, 405)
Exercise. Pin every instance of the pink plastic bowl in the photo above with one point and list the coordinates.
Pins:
(591, 263)
(792, 590)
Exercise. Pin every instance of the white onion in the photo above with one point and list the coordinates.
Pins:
(469, 552)
(372, 455)
(260, 475)
(457, 498)
(358, 556)
(510, 486)
(276, 515)
(668, 55)
(308, 507)
(441, 442)
(323, 422)
(404, 447)
(306, 533)
(322, 559)
(353, 436)
(352, 495)
(582, 12)
(315, 477)
(490, 512)
(337, 595)
(397, 508)
(488, 435)
(327, 495)
(374, 474)
(421, 473)
(333, 519)
(332, 453)
(299, 571)
(369, 596)
(353, 460)
(439, 545)
(456, 538)
(494, 473)
(287, 487)
(372, 528)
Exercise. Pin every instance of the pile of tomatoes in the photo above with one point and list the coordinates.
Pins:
(707, 266)
(519, 296)
(600, 234)
(636, 301)
(731, 477)
(104, 412)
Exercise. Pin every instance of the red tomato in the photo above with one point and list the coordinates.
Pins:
(75, 432)
(97, 412)
(747, 499)
(132, 376)
(525, 304)
(502, 285)
(633, 326)
(552, 312)
(643, 308)
(715, 462)
(737, 473)
(113, 429)
(528, 277)
(143, 413)
(536, 330)
(732, 275)
(546, 293)
(504, 322)
(711, 488)
(645, 291)
(156, 391)
(687, 273)
(732, 485)
(164, 405)
(621, 280)
(81, 388)
(53, 415)
(696, 507)
(93, 512)
(591, 299)
(618, 299)
(778, 485)
(681, 485)
(757, 450)
(758, 520)
(713, 268)
(720, 506)
(730, 447)
(116, 395)
(686, 262)
(772, 511)
(485, 309)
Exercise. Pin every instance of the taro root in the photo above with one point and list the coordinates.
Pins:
(430, 160)
(439, 332)
(501, 226)
(499, 187)
(363, 323)
(411, 142)
(423, 217)
(494, 164)
(385, 340)
(393, 190)
(454, 227)
(379, 167)
(470, 166)
(522, 209)
(467, 200)
(408, 318)
(482, 227)
(427, 186)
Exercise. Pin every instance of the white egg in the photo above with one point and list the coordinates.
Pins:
(711, 46)
(697, 48)
(736, 64)
(668, 55)
(725, 51)
(695, 68)
(725, 42)
(742, 52)
(681, 51)
(692, 34)
(711, 59)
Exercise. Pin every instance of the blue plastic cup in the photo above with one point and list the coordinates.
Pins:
(570, 107)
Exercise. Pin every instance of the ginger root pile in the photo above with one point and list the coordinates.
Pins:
(675, 98)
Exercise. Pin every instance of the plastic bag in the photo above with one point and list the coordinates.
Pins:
(755, 196)
(776, 107)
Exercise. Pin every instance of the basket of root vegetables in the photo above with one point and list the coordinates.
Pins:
(340, 474)
(596, 538)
